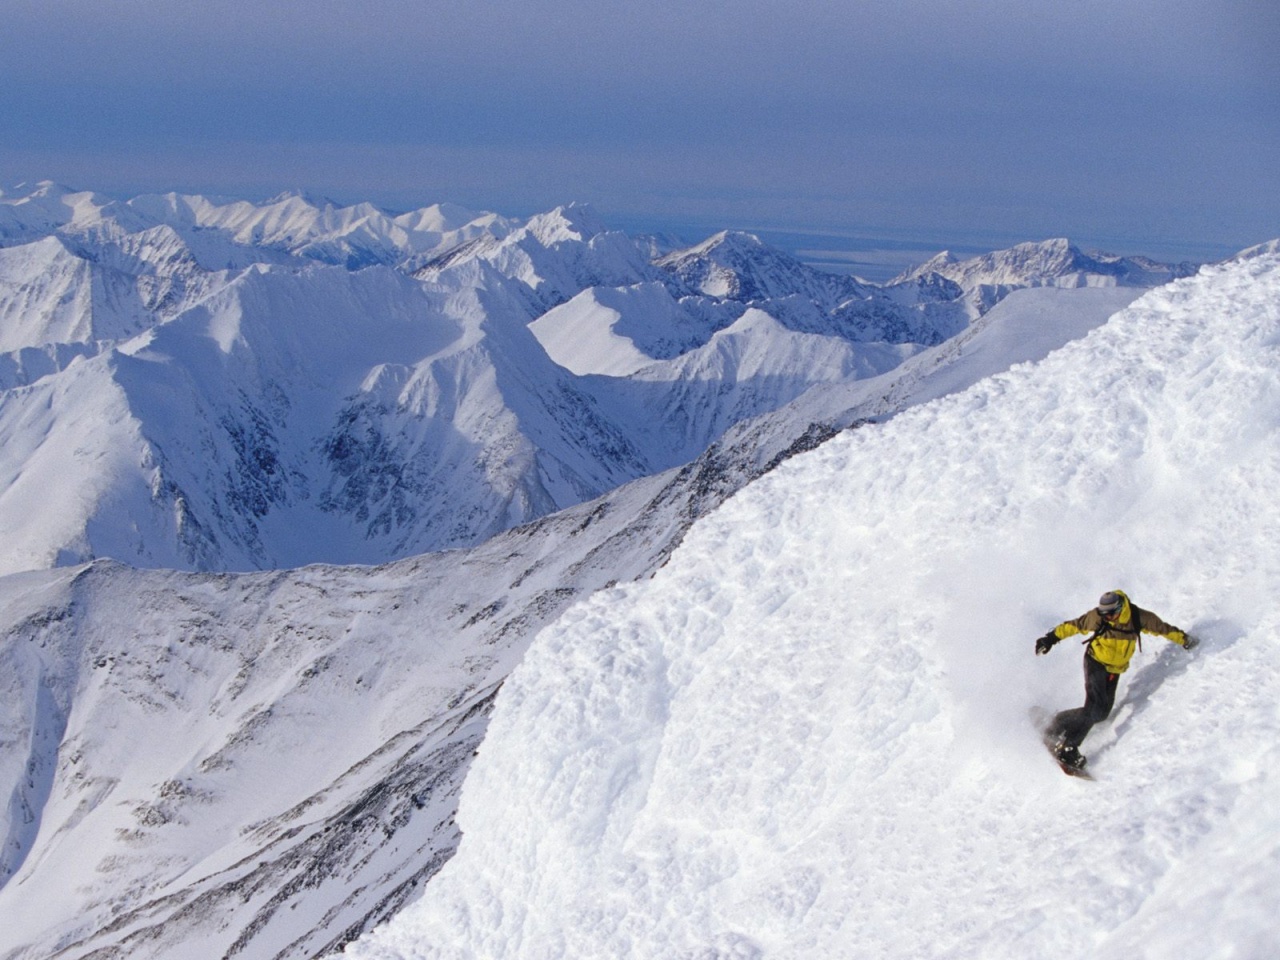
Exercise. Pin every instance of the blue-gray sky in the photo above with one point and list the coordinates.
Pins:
(1140, 125)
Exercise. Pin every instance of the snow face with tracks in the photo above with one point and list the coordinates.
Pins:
(806, 736)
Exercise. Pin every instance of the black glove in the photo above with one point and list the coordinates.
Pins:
(1189, 642)
(1045, 644)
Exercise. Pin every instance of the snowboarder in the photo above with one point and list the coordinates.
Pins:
(1116, 625)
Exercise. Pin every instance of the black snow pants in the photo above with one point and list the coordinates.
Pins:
(1099, 697)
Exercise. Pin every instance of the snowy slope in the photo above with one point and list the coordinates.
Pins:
(806, 736)
(614, 331)
(53, 291)
(266, 764)
(313, 792)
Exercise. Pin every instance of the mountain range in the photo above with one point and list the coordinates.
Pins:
(218, 385)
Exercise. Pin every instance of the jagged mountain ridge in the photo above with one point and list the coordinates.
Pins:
(230, 232)
(1057, 263)
(297, 382)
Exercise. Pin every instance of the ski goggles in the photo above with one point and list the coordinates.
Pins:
(1110, 605)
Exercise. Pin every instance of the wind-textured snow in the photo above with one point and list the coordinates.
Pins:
(807, 735)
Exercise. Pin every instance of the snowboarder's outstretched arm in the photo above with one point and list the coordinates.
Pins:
(1148, 622)
(1086, 623)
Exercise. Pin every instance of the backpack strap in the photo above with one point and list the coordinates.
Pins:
(1135, 626)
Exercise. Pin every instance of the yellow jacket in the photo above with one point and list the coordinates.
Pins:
(1114, 641)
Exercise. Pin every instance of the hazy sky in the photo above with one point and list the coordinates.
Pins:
(1138, 123)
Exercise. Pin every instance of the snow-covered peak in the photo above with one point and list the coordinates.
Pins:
(726, 244)
(300, 197)
(737, 265)
(936, 264)
(50, 207)
(442, 218)
(573, 222)
(556, 255)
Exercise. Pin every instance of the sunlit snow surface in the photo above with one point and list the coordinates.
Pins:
(806, 736)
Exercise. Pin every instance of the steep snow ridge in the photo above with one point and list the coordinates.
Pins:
(757, 345)
(485, 435)
(239, 394)
(806, 736)
(683, 405)
(99, 285)
(58, 472)
(228, 404)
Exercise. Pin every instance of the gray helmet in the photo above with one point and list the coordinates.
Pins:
(1110, 603)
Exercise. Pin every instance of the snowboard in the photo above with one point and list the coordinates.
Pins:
(1040, 720)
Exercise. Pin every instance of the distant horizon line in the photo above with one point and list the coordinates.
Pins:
(871, 252)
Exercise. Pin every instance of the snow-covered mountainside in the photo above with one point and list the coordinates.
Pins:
(265, 765)
(219, 385)
(807, 735)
